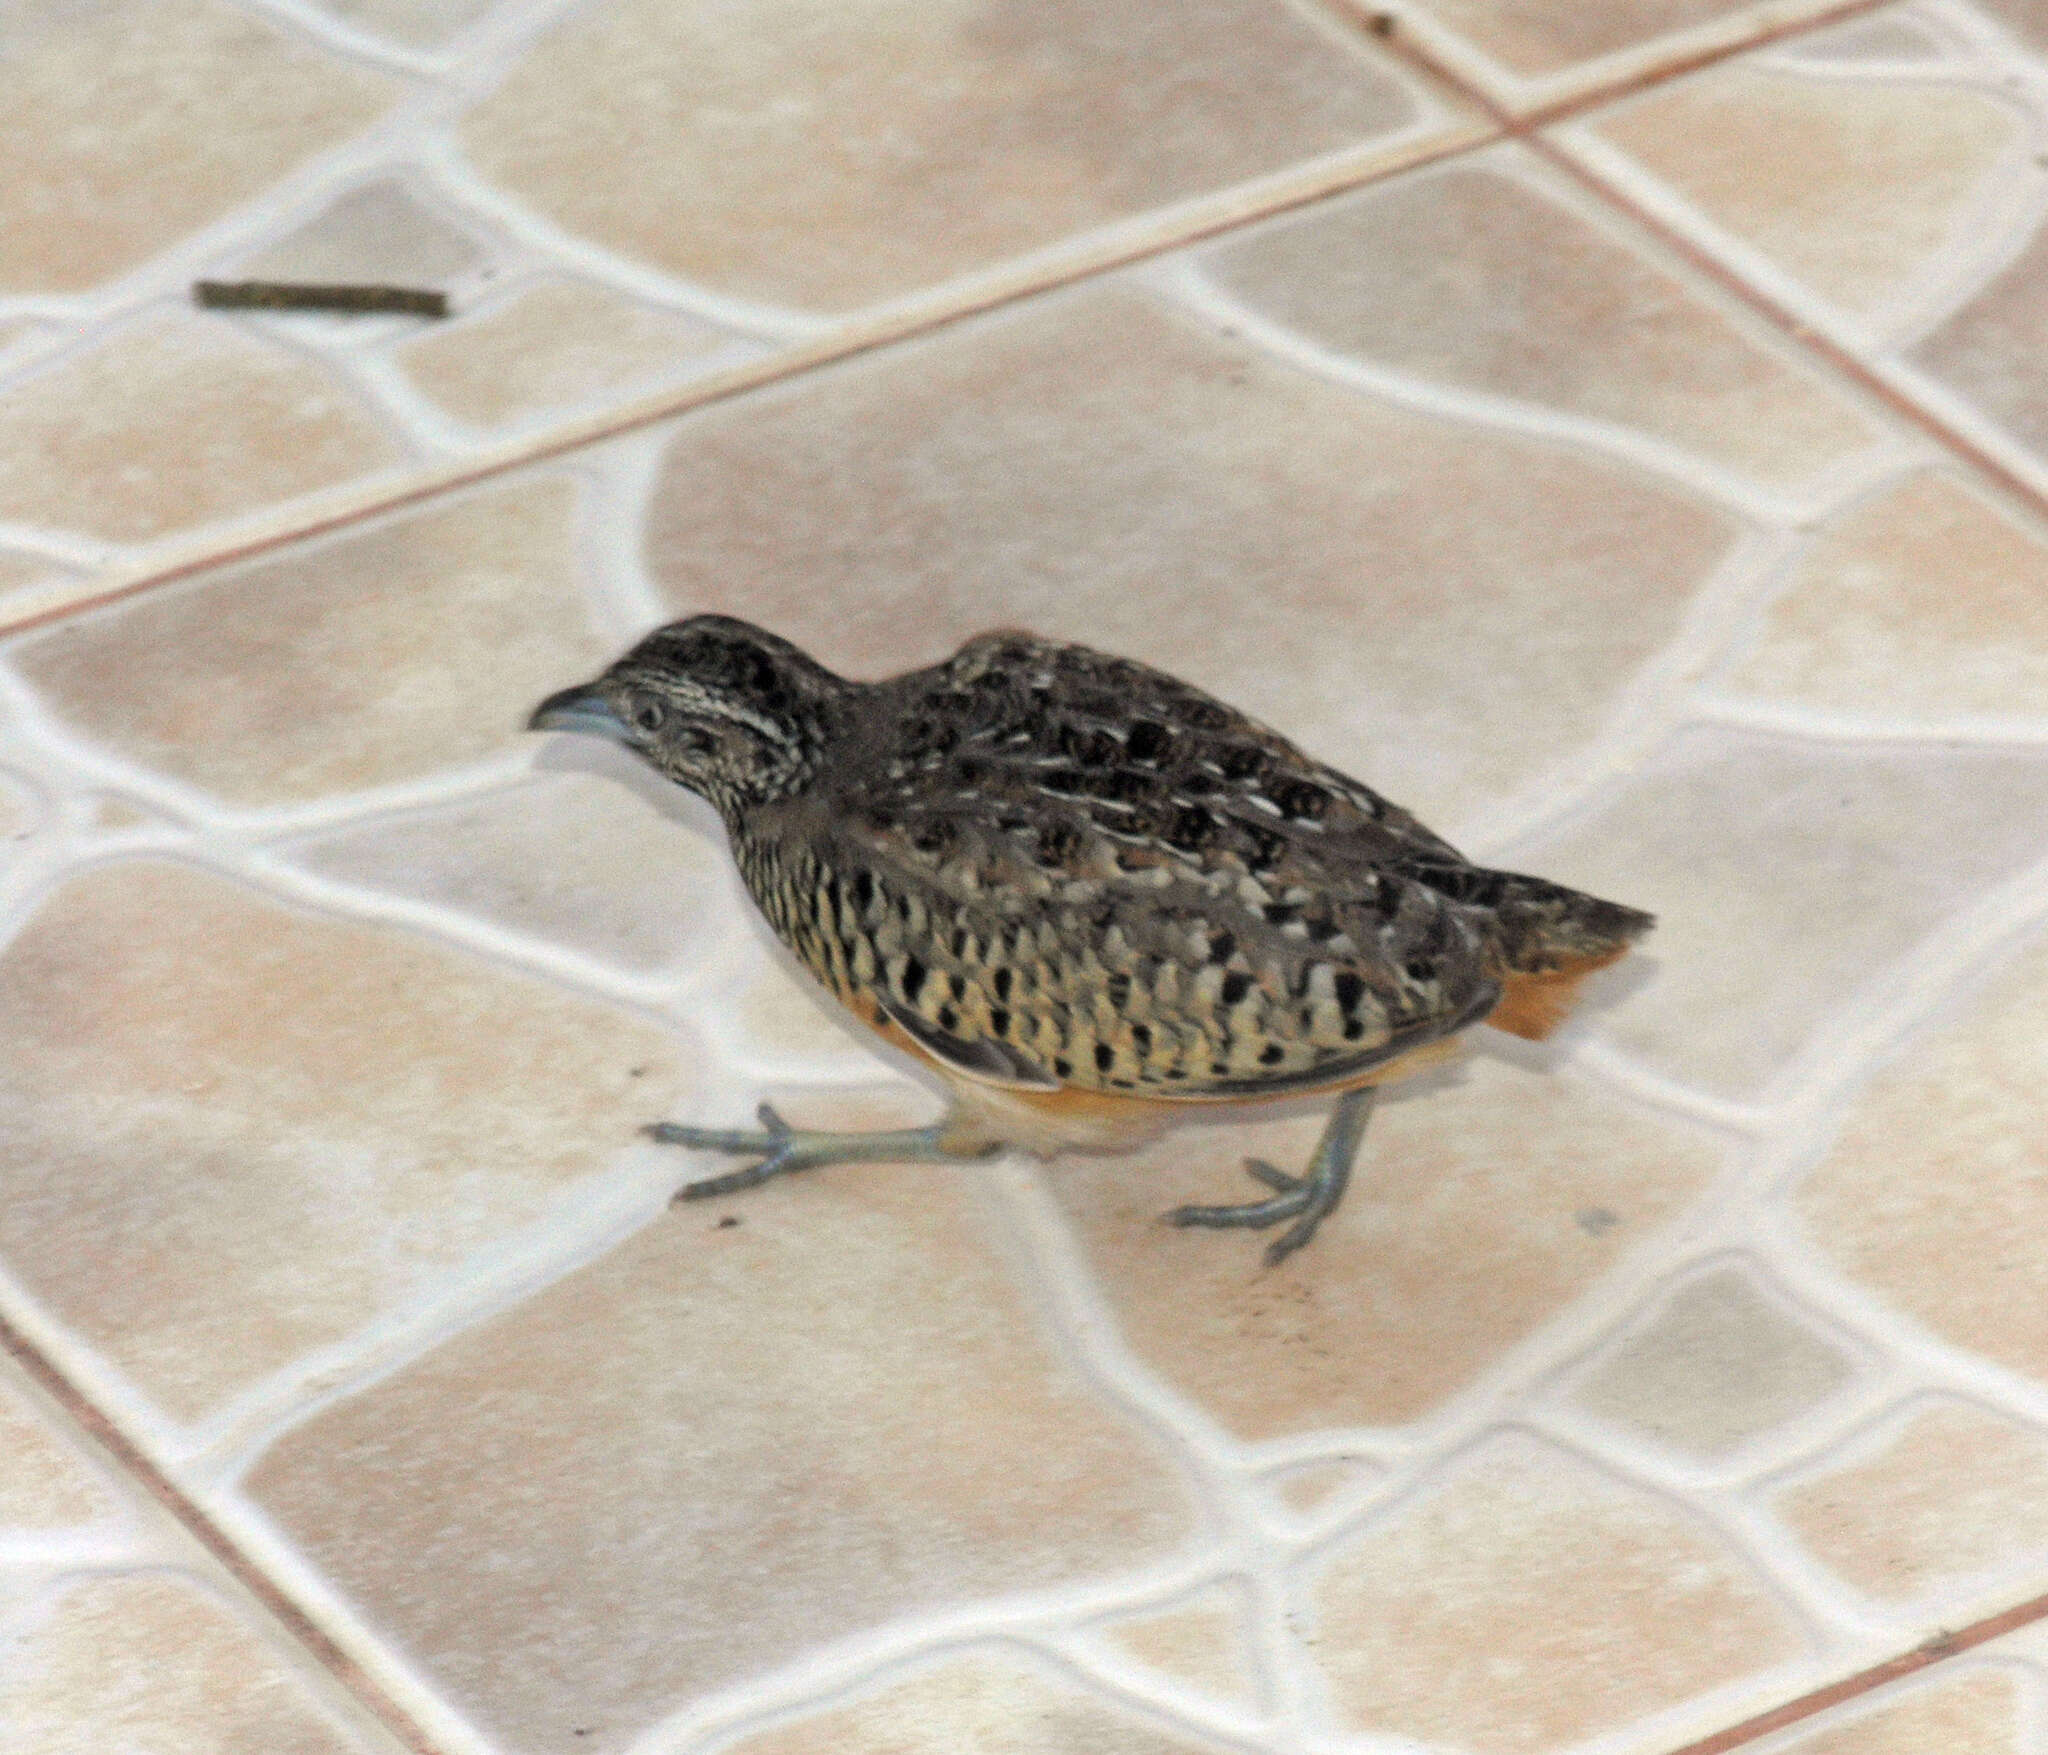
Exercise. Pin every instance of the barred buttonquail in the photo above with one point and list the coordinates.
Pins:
(1086, 892)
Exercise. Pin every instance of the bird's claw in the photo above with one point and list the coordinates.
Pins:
(1278, 1180)
(1291, 1194)
(721, 1139)
(1304, 1199)
(776, 1144)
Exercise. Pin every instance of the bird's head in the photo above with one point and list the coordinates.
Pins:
(712, 703)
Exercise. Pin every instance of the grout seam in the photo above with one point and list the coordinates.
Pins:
(2008, 483)
(1631, 84)
(1929, 1652)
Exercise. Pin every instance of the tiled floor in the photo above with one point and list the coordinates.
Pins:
(1619, 429)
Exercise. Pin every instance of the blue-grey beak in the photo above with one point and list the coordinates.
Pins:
(580, 709)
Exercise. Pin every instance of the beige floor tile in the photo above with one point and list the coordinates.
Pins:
(1472, 276)
(419, 24)
(174, 420)
(1992, 351)
(1897, 203)
(152, 1664)
(45, 1483)
(1975, 1712)
(378, 232)
(973, 1705)
(1849, 188)
(1785, 875)
(1201, 1643)
(1943, 1161)
(24, 810)
(1883, 195)
(107, 810)
(137, 122)
(239, 1132)
(559, 345)
(713, 1449)
(18, 329)
(1951, 1493)
(831, 159)
(1533, 38)
(1528, 1603)
(18, 569)
(1309, 1487)
(1718, 1364)
(379, 654)
(21, 1596)
(1373, 582)
(1892, 34)
(23, 576)
(2024, 18)
(1925, 605)
(1464, 1232)
(574, 860)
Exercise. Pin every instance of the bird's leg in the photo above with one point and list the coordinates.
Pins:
(1306, 1199)
(782, 1148)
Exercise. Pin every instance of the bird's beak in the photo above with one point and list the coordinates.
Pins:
(580, 709)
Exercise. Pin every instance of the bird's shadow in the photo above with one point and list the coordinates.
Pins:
(603, 761)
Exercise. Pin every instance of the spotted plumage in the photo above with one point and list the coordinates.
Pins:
(1070, 877)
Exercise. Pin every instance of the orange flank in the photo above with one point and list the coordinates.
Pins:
(1534, 1005)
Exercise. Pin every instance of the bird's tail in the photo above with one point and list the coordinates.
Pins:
(1546, 939)
(1539, 926)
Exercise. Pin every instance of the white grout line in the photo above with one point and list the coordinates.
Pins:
(1826, 725)
(586, 1219)
(1698, 476)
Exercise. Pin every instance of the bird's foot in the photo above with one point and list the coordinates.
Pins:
(780, 1149)
(1307, 1199)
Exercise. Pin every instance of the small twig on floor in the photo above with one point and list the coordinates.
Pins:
(285, 295)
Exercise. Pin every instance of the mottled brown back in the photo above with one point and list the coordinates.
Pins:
(1059, 868)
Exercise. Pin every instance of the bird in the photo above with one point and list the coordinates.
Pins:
(1094, 899)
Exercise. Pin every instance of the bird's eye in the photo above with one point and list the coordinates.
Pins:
(649, 715)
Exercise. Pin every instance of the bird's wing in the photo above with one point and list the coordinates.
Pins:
(1069, 867)
(1037, 711)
